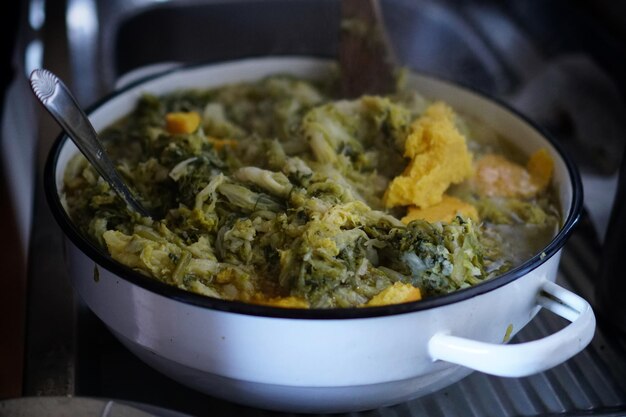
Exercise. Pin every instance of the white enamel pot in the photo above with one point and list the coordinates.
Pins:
(330, 360)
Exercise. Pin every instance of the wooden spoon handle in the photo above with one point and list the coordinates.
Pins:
(365, 57)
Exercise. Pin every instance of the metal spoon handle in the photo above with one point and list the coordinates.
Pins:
(59, 102)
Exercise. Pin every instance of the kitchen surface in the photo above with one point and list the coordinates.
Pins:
(562, 64)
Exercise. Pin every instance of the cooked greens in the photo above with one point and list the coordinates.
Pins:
(272, 192)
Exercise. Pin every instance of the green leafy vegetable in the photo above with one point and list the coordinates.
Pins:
(278, 193)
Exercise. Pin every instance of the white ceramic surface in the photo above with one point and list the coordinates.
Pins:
(333, 364)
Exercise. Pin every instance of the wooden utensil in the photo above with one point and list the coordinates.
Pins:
(365, 57)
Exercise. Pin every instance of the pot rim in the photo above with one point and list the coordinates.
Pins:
(150, 284)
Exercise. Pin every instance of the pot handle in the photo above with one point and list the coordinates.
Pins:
(527, 358)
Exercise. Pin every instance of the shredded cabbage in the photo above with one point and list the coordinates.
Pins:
(278, 196)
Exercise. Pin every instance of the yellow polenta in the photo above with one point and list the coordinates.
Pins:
(444, 211)
(182, 122)
(439, 157)
(498, 176)
(397, 293)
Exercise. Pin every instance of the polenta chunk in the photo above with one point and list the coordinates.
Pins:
(219, 144)
(445, 211)
(398, 293)
(541, 166)
(182, 122)
(284, 302)
(496, 176)
(439, 157)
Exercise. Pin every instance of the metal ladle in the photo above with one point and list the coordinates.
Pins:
(61, 104)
